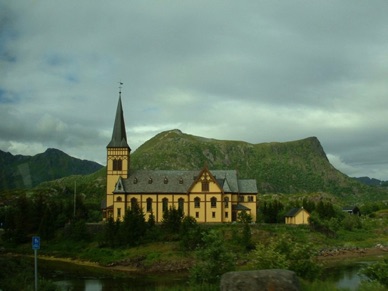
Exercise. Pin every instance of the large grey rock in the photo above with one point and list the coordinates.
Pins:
(260, 280)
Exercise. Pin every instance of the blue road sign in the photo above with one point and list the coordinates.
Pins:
(35, 242)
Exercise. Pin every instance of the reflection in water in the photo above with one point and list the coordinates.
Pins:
(346, 277)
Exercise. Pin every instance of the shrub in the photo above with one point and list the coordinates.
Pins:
(377, 272)
(212, 260)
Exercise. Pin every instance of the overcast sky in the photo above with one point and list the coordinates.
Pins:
(256, 71)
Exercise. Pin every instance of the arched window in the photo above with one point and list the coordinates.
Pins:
(149, 204)
(133, 203)
(197, 202)
(181, 203)
(226, 202)
(213, 202)
(165, 204)
(119, 199)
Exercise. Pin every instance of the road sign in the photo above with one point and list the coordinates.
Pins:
(35, 242)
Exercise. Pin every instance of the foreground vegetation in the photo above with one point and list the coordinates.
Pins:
(205, 252)
(179, 243)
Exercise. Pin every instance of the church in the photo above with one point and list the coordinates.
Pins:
(210, 196)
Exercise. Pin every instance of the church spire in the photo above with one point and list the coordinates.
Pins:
(119, 136)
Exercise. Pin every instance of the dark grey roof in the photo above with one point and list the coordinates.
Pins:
(240, 207)
(247, 186)
(119, 135)
(292, 212)
(170, 181)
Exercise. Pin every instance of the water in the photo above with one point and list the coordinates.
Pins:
(73, 277)
(68, 276)
(346, 276)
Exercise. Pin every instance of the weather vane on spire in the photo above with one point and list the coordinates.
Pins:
(120, 86)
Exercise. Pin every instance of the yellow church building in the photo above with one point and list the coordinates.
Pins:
(210, 196)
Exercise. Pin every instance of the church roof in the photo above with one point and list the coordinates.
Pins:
(173, 181)
(119, 135)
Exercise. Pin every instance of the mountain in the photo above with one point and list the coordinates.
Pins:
(18, 171)
(295, 167)
(371, 181)
(289, 167)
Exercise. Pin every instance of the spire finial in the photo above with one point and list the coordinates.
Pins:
(120, 86)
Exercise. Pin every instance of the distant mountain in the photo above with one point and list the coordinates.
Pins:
(295, 167)
(371, 181)
(18, 171)
(290, 167)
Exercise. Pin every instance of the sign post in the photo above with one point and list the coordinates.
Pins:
(36, 247)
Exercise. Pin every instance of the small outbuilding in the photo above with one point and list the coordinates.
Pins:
(297, 216)
(352, 210)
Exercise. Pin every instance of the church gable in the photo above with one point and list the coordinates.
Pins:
(205, 182)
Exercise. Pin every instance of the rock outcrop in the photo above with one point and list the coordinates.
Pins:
(260, 280)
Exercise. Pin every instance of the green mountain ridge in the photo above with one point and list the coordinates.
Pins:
(295, 167)
(299, 166)
(21, 172)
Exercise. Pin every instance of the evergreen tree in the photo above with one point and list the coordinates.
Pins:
(134, 226)
(190, 234)
(172, 219)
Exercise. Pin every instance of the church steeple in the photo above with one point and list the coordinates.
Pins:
(118, 158)
(119, 135)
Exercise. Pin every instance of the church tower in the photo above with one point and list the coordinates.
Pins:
(118, 157)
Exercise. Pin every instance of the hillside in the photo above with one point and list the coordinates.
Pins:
(19, 172)
(295, 167)
(290, 167)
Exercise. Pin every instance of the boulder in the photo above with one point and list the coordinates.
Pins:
(260, 280)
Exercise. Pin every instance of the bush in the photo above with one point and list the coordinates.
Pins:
(377, 272)
(284, 253)
(212, 260)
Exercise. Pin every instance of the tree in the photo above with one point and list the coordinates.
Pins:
(190, 234)
(172, 219)
(134, 226)
(212, 260)
(110, 233)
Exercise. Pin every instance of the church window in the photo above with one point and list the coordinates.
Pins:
(197, 215)
(213, 202)
(149, 204)
(119, 199)
(117, 165)
(197, 202)
(205, 186)
(181, 202)
(250, 198)
(226, 202)
(226, 214)
(133, 203)
(165, 204)
(240, 198)
(118, 212)
(213, 214)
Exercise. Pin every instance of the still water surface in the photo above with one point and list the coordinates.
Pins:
(73, 277)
